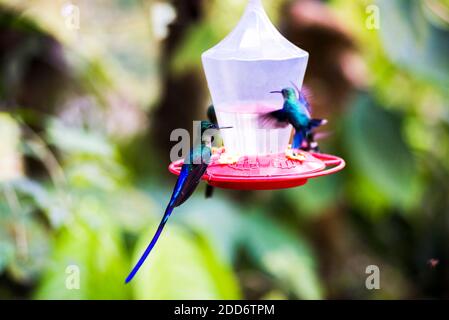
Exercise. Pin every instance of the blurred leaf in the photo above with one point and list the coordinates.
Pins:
(74, 140)
(11, 166)
(37, 197)
(283, 255)
(378, 152)
(182, 266)
(91, 159)
(34, 191)
(275, 295)
(32, 249)
(7, 248)
(200, 38)
(364, 191)
(127, 207)
(6, 252)
(9, 19)
(96, 173)
(24, 241)
(223, 226)
(317, 195)
(91, 244)
(412, 40)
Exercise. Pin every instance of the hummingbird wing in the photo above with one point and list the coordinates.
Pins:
(275, 119)
(298, 92)
(322, 135)
(303, 97)
(190, 183)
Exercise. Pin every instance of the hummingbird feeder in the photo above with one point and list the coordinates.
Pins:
(241, 71)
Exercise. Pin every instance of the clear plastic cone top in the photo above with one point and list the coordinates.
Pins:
(242, 70)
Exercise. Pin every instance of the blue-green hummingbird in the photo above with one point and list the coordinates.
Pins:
(295, 111)
(193, 169)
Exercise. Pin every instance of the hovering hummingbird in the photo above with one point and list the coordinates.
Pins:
(194, 167)
(310, 144)
(297, 112)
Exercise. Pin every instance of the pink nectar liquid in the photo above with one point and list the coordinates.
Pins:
(249, 134)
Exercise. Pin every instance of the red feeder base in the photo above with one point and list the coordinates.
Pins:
(267, 172)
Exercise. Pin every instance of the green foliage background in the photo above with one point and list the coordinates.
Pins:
(83, 181)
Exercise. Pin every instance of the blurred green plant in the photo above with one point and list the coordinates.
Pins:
(414, 35)
(69, 195)
(194, 258)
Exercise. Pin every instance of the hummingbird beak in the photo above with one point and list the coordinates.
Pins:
(275, 91)
(225, 128)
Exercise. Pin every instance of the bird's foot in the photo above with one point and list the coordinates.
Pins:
(228, 158)
(218, 150)
(295, 154)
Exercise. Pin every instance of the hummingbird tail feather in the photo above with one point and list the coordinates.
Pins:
(147, 251)
(275, 119)
(297, 140)
(315, 123)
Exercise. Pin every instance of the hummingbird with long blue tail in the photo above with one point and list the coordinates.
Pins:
(297, 112)
(193, 169)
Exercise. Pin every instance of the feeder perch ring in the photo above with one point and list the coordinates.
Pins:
(268, 172)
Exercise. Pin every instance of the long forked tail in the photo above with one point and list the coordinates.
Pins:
(147, 251)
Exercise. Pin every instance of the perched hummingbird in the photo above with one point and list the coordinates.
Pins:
(194, 167)
(295, 111)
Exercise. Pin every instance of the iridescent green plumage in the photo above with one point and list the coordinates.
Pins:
(295, 111)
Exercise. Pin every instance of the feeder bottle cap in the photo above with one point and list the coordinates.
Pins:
(255, 38)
